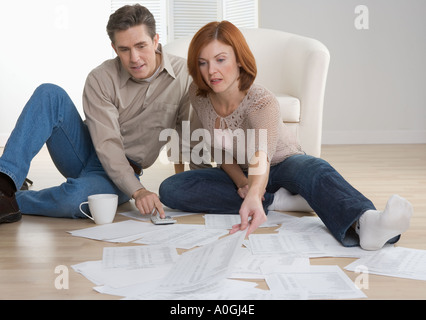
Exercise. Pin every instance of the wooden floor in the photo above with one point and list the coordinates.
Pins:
(32, 248)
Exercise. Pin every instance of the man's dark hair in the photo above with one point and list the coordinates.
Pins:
(130, 16)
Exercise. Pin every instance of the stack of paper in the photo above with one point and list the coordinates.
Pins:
(134, 271)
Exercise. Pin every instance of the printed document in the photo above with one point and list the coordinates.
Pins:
(138, 256)
(185, 236)
(226, 221)
(314, 282)
(203, 266)
(394, 262)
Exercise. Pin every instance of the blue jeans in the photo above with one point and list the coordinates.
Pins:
(332, 198)
(50, 117)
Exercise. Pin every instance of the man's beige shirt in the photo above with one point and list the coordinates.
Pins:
(125, 116)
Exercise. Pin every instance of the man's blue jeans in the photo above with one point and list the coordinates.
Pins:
(332, 198)
(50, 117)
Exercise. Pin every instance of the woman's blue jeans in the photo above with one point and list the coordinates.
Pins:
(50, 117)
(332, 198)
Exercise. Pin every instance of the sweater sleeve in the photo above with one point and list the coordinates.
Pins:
(263, 120)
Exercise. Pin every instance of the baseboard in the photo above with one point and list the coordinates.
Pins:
(374, 137)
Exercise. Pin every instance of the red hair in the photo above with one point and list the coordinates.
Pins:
(230, 35)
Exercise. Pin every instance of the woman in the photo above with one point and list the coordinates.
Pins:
(233, 108)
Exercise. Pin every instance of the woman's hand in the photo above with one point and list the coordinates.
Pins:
(251, 207)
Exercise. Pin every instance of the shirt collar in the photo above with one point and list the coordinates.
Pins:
(165, 65)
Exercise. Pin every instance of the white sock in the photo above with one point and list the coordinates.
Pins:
(375, 228)
(285, 201)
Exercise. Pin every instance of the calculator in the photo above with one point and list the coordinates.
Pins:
(156, 219)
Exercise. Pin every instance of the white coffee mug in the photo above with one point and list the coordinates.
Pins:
(102, 207)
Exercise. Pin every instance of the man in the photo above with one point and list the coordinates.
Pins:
(128, 101)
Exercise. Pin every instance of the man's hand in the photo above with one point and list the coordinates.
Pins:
(146, 201)
(243, 191)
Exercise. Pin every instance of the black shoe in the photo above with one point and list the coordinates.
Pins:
(9, 210)
(27, 184)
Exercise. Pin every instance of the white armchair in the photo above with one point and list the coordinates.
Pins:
(295, 69)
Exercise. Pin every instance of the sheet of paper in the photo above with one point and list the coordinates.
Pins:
(303, 224)
(198, 238)
(275, 217)
(135, 257)
(119, 277)
(394, 262)
(185, 236)
(127, 239)
(132, 290)
(226, 221)
(135, 214)
(113, 230)
(276, 263)
(315, 282)
(167, 233)
(333, 248)
(216, 291)
(203, 266)
(281, 244)
(249, 266)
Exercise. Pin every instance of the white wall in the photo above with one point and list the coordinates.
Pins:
(55, 41)
(376, 89)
